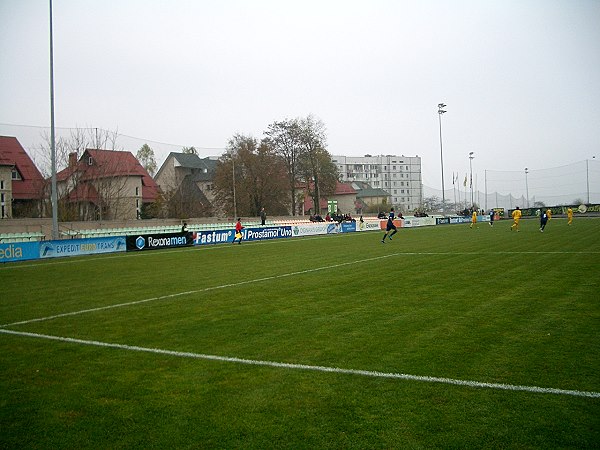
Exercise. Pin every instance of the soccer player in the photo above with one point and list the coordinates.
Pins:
(516, 215)
(238, 231)
(492, 215)
(570, 216)
(543, 220)
(473, 219)
(390, 226)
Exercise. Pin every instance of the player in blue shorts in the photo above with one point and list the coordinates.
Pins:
(390, 226)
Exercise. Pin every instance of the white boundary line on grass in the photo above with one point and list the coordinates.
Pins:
(256, 280)
(207, 289)
(365, 373)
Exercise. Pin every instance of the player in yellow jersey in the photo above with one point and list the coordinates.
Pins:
(516, 215)
(570, 216)
(549, 213)
(473, 219)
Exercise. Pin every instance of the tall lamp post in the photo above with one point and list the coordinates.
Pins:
(53, 193)
(441, 111)
(471, 178)
(526, 186)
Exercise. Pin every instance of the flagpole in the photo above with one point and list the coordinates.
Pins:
(454, 188)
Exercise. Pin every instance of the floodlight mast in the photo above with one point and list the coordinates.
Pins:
(441, 111)
(53, 195)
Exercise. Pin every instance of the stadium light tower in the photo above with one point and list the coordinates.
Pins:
(471, 178)
(526, 186)
(53, 193)
(441, 111)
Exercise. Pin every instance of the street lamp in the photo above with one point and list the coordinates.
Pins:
(526, 186)
(471, 177)
(441, 111)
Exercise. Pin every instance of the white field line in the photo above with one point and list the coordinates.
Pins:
(337, 370)
(257, 280)
(207, 289)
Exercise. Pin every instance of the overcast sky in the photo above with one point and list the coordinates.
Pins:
(520, 78)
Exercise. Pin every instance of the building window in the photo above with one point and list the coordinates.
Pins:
(137, 190)
(15, 175)
(90, 161)
(2, 197)
(1, 184)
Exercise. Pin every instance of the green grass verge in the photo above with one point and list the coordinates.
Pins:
(484, 305)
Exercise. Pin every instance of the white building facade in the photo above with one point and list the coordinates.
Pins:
(400, 176)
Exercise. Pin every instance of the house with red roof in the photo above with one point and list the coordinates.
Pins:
(344, 199)
(21, 183)
(105, 185)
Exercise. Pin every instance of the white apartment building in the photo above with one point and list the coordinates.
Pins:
(399, 176)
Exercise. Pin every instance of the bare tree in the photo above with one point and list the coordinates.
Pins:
(284, 138)
(315, 161)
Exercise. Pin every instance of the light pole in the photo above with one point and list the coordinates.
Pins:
(526, 186)
(471, 177)
(587, 177)
(441, 111)
(53, 193)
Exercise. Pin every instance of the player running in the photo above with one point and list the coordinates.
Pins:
(390, 226)
(473, 219)
(570, 215)
(516, 215)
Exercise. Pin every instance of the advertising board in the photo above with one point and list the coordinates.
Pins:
(77, 247)
(19, 251)
(158, 241)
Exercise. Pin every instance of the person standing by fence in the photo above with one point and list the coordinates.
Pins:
(263, 216)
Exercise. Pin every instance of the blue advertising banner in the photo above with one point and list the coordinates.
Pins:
(347, 227)
(248, 234)
(213, 237)
(76, 247)
(19, 251)
(158, 241)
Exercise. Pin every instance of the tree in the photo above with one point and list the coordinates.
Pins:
(316, 165)
(189, 150)
(249, 176)
(145, 156)
(284, 138)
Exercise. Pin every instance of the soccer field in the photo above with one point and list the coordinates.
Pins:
(444, 337)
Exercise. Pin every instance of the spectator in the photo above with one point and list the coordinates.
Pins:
(263, 216)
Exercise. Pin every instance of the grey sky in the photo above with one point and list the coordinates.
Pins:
(521, 78)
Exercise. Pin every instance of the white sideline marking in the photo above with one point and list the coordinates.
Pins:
(196, 291)
(257, 280)
(365, 373)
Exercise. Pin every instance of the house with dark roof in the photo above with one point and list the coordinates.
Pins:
(368, 197)
(186, 181)
(21, 183)
(105, 185)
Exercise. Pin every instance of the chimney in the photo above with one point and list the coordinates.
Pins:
(72, 159)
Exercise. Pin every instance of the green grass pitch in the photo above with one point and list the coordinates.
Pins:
(439, 338)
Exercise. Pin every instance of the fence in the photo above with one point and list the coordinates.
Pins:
(572, 184)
